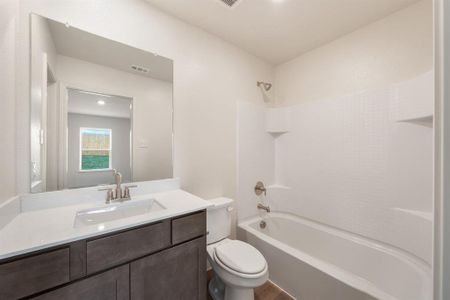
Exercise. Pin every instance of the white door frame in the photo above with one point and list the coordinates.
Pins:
(62, 136)
(441, 261)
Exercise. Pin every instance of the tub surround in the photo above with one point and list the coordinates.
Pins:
(372, 151)
(45, 220)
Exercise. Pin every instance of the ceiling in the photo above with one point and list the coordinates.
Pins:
(279, 30)
(73, 42)
(82, 102)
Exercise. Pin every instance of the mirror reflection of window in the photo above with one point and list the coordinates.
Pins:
(95, 149)
(99, 137)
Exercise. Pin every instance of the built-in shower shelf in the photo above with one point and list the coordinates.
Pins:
(278, 120)
(276, 134)
(425, 215)
(278, 186)
(413, 100)
(423, 121)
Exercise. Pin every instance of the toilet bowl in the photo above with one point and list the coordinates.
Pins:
(238, 267)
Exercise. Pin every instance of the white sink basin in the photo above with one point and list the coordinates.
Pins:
(116, 211)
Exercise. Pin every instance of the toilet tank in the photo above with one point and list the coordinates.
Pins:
(219, 219)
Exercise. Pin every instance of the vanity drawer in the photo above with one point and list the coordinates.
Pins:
(112, 284)
(188, 227)
(123, 247)
(34, 274)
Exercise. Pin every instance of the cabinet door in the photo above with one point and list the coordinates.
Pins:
(113, 284)
(176, 273)
(31, 275)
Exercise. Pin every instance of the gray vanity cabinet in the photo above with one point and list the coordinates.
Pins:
(162, 260)
(113, 284)
(29, 275)
(176, 273)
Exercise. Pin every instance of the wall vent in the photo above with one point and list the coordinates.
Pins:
(140, 69)
(230, 3)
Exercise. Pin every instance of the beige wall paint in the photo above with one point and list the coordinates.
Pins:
(210, 76)
(8, 12)
(393, 49)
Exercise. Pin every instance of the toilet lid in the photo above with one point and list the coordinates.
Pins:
(241, 257)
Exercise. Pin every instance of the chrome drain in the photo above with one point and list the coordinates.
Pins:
(262, 224)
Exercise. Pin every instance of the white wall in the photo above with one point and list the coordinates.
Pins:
(393, 49)
(8, 13)
(43, 53)
(210, 76)
(120, 159)
(152, 111)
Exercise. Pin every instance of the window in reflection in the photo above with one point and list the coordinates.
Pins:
(95, 149)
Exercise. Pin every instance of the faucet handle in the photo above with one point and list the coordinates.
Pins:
(260, 188)
(126, 192)
(109, 194)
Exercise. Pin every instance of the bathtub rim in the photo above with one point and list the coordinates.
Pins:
(335, 271)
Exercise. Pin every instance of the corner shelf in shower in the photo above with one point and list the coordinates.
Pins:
(413, 101)
(278, 121)
(278, 186)
(426, 121)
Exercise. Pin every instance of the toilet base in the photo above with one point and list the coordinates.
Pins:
(219, 291)
(216, 288)
(234, 293)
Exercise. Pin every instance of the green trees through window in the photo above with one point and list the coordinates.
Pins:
(95, 149)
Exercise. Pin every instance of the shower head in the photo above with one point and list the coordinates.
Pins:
(265, 85)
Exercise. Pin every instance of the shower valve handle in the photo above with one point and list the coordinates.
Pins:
(260, 188)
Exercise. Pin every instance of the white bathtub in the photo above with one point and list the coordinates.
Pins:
(313, 261)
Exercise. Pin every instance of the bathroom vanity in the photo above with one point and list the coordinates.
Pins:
(157, 254)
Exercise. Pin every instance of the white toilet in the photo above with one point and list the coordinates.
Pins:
(238, 266)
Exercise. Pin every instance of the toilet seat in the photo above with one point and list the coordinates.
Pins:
(240, 259)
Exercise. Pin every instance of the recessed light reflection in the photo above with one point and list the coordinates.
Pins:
(101, 102)
(101, 227)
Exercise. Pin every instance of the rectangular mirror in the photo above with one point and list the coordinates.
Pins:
(96, 106)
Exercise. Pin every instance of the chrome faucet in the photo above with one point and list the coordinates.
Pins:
(118, 181)
(263, 207)
(117, 193)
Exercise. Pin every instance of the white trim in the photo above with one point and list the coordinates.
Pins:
(63, 164)
(441, 258)
(96, 170)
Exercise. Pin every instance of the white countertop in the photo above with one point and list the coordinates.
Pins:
(39, 228)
